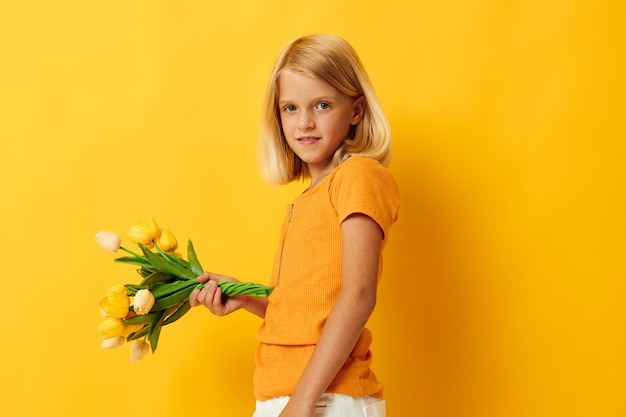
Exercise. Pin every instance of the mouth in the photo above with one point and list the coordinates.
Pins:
(308, 139)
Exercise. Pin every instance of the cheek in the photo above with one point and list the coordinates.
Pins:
(341, 126)
(285, 125)
(285, 132)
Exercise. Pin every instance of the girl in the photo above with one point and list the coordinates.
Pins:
(321, 122)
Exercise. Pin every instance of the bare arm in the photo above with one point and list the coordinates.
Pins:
(211, 297)
(361, 238)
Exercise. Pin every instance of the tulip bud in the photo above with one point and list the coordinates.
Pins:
(167, 241)
(111, 327)
(108, 241)
(144, 233)
(113, 342)
(143, 302)
(138, 350)
(115, 304)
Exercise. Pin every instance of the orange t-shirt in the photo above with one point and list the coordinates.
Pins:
(307, 277)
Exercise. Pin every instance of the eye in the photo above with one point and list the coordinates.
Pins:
(289, 108)
(323, 106)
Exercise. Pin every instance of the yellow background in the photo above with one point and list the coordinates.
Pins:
(504, 284)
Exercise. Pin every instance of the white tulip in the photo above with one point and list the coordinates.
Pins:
(113, 342)
(108, 241)
(138, 350)
(143, 302)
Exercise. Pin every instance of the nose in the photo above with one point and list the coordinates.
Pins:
(305, 120)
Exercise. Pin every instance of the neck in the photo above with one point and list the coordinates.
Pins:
(317, 177)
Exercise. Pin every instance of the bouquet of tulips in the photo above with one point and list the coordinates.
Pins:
(137, 312)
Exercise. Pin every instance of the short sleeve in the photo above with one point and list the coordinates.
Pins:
(362, 185)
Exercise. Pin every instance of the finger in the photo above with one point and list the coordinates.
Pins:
(215, 296)
(204, 296)
(204, 277)
(193, 298)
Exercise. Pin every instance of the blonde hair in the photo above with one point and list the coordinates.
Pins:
(330, 59)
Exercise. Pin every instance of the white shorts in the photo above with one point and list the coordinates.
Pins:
(329, 405)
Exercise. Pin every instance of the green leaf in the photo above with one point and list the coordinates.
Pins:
(161, 290)
(132, 289)
(181, 311)
(173, 299)
(144, 272)
(133, 260)
(166, 266)
(155, 327)
(154, 330)
(173, 258)
(142, 319)
(194, 263)
(176, 262)
(138, 334)
(156, 277)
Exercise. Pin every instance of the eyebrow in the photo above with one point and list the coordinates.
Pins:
(315, 100)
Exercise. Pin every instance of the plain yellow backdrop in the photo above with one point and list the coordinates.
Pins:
(504, 283)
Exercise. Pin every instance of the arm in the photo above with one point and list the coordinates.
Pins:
(361, 239)
(211, 297)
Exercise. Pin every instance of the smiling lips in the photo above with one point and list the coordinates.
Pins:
(308, 139)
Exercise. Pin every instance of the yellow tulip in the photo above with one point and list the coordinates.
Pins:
(138, 350)
(143, 302)
(115, 304)
(167, 241)
(113, 342)
(108, 241)
(131, 328)
(111, 327)
(144, 233)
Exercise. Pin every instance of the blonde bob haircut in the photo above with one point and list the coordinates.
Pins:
(330, 59)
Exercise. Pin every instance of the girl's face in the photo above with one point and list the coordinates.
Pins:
(316, 118)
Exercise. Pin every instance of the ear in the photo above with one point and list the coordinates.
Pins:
(358, 110)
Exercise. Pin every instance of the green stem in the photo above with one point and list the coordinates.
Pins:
(131, 252)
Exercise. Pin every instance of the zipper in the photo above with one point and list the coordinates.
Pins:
(282, 243)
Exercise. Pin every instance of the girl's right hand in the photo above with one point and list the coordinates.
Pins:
(210, 295)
